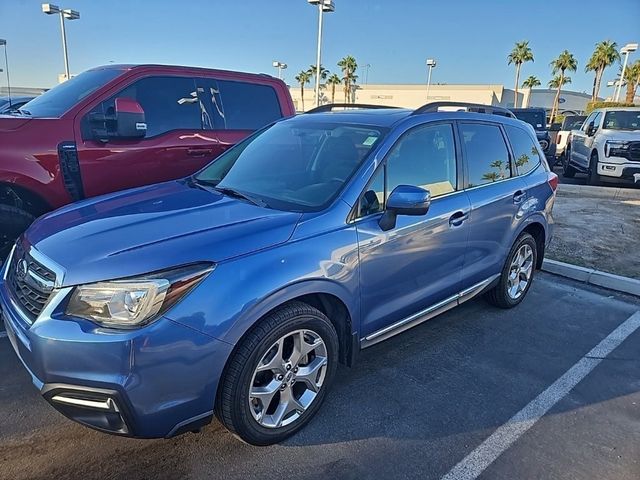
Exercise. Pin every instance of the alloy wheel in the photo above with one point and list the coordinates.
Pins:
(520, 272)
(288, 378)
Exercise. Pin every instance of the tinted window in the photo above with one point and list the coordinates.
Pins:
(248, 106)
(373, 199)
(622, 120)
(525, 150)
(573, 123)
(589, 119)
(295, 164)
(535, 118)
(62, 97)
(211, 100)
(486, 153)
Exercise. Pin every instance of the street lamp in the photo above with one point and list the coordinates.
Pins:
(3, 43)
(280, 66)
(66, 13)
(626, 50)
(323, 6)
(431, 63)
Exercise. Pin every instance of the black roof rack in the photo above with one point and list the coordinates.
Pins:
(330, 106)
(469, 107)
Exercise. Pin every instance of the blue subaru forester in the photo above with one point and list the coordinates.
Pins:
(237, 291)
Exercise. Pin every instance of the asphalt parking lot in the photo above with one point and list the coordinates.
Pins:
(413, 407)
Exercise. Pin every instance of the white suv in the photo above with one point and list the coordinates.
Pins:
(607, 146)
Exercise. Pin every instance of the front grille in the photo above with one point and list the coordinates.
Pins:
(634, 151)
(31, 297)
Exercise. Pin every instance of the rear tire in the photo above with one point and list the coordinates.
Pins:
(517, 274)
(269, 390)
(593, 178)
(13, 222)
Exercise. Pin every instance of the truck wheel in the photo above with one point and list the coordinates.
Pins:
(279, 375)
(594, 178)
(13, 221)
(567, 170)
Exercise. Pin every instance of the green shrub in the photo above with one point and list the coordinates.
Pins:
(593, 105)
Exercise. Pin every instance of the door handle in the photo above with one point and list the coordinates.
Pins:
(199, 152)
(518, 197)
(458, 218)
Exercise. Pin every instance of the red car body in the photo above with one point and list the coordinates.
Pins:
(51, 156)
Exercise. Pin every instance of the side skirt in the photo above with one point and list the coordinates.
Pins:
(430, 312)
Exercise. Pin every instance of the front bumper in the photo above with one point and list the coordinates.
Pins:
(628, 170)
(157, 381)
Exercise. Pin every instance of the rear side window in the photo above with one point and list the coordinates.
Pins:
(486, 153)
(525, 151)
(248, 106)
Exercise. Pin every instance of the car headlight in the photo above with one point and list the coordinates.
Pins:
(133, 302)
(615, 148)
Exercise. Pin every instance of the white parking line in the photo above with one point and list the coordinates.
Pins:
(488, 451)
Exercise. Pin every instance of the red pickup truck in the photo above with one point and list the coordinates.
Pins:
(123, 126)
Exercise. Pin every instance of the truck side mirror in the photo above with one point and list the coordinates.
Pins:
(130, 120)
(591, 129)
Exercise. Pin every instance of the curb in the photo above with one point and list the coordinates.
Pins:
(593, 277)
(611, 193)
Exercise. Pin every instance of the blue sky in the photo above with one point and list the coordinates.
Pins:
(470, 39)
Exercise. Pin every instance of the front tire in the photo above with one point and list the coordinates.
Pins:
(567, 170)
(13, 221)
(279, 375)
(517, 274)
(594, 178)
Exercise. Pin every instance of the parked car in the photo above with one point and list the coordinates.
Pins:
(537, 118)
(607, 146)
(573, 122)
(123, 126)
(16, 102)
(237, 290)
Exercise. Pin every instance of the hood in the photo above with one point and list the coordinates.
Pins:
(622, 135)
(153, 228)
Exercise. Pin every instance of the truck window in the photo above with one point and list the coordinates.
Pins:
(169, 103)
(525, 151)
(248, 106)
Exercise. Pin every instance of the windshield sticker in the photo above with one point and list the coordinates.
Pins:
(369, 141)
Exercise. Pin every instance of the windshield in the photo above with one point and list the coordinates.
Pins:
(573, 123)
(622, 120)
(534, 118)
(62, 97)
(293, 165)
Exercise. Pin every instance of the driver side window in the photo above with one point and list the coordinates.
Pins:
(424, 157)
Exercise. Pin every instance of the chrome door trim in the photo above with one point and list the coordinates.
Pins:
(429, 312)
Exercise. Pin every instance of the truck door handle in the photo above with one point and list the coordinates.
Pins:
(199, 152)
(458, 218)
(518, 197)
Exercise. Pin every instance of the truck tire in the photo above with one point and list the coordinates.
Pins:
(567, 170)
(13, 221)
(593, 177)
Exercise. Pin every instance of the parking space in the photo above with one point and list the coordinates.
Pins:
(413, 407)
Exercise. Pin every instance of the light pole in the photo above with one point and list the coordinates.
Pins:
(366, 67)
(626, 50)
(323, 6)
(614, 84)
(280, 66)
(51, 9)
(3, 42)
(431, 63)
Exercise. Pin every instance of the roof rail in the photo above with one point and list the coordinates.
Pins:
(330, 106)
(468, 107)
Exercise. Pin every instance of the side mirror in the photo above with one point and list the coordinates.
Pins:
(130, 121)
(405, 200)
(124, 120)
(591, 129)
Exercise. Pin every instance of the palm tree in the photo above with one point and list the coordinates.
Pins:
(604, 55)
(557, 81)
(333, 80)
(565, 61)
(520, 54)
(303, 78)
(323, 71)
(632, 77)
(348, 65)
(531, 81)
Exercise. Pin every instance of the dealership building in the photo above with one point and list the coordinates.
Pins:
(415, 95)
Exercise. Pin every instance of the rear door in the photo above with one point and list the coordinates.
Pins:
(495, 194)
(175, 144)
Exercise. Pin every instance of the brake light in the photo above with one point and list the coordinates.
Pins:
(558, 138)
(552, 180)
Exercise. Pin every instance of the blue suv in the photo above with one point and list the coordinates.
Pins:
(238, 290)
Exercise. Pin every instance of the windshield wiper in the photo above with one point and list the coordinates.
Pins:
(232, 192)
